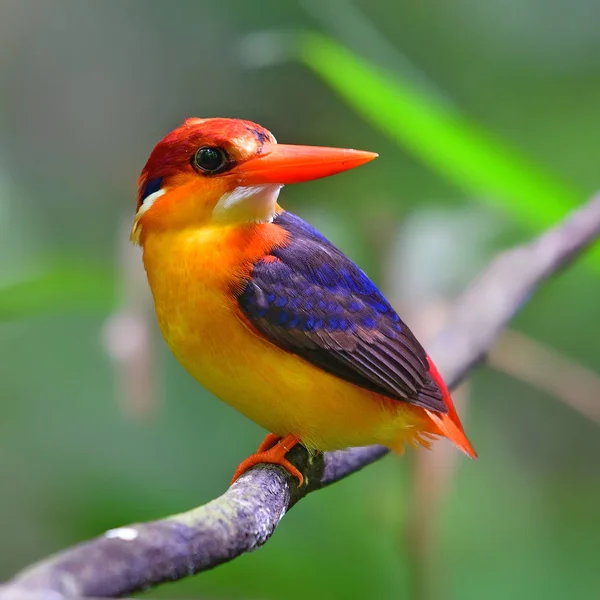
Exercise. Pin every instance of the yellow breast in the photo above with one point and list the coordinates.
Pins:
(193, 275)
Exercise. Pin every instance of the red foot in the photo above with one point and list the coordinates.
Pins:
(272, 451)
(270, 440)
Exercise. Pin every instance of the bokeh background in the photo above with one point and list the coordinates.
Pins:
(486, 117)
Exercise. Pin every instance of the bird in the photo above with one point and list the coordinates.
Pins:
(265, 312)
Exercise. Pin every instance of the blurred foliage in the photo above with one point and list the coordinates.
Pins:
(449, 143)
(60, 288)
(89, 87)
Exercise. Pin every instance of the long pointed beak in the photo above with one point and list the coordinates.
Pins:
(281, 163)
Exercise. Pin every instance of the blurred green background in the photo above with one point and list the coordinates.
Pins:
(486, 118)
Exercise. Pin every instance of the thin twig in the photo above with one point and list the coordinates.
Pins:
(547, 369)
(133, 558)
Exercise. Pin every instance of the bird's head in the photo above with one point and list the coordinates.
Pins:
(226, 171)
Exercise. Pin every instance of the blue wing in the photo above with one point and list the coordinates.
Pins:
(310, 299)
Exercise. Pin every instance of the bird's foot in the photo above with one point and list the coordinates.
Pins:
(270, 440)
(272, 451)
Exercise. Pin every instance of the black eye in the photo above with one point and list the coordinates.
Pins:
(209, 159)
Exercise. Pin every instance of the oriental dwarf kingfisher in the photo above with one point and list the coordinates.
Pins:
(265, 312)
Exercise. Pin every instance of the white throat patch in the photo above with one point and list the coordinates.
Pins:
(248, 204)
(142, 210)
(149, 201)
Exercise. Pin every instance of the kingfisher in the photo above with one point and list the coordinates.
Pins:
(269, 315)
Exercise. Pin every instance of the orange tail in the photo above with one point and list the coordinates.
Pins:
(449, 424)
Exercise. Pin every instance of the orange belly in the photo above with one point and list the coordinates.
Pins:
(191, 275)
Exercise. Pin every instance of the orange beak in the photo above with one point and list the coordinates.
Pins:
(281, 163)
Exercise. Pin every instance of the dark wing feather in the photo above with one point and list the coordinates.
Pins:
(310, 299)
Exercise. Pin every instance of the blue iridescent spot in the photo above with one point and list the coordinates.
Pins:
(253, 307)
(378, 304)
(319, 324)
(280, 301)
(368, 322)
(334, 324)
(270, 298)
(354, 306)
(293, 322)
(280, 317)
(309, 323)
(150, 187)
(344, 324)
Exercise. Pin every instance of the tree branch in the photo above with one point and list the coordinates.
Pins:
(135, 557)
